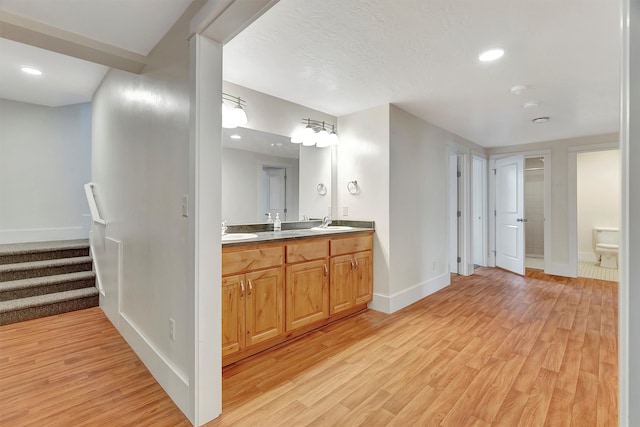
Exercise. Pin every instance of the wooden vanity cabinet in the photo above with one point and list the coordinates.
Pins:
(351, 272)
(277, 291)
(307, 283)
(252, 301)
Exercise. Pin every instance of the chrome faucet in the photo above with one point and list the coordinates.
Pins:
(326, 221)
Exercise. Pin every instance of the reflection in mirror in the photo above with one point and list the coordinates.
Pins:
(264, 173)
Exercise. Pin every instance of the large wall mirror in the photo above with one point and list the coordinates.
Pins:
(264, 173)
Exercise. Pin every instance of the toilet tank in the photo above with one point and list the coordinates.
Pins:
(606, 235)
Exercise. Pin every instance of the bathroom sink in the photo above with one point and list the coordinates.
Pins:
(231, 237)
(333, 228)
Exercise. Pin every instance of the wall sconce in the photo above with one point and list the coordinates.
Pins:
(320, 134)
(233, 115)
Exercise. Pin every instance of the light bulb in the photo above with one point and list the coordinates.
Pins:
(227, 117)
(323, 138)
(239, 116)
(333, 139)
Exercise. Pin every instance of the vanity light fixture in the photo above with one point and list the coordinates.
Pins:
(235, 136)
(233, 115)
(318, 133)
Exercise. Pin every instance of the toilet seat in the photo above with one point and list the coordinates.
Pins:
(607, 246)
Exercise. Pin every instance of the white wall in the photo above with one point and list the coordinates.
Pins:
(315, 169)
(598, 191)
(363, 155)
(140, 165)
(560, 183)
(400, 163)
(45, 159)
(241, 184)
(419, 236)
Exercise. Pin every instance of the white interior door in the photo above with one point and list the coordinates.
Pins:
(510, 213)
(274, 186)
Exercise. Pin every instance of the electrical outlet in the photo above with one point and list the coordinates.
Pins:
(172, 329)
(345, 211)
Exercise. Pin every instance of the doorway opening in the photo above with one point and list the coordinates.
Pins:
(598, 202)
(534, 204)
(508, 246)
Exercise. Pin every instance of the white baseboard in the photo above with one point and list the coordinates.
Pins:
(399, 300)
(172, 380)
(587, 257)
(43, 234)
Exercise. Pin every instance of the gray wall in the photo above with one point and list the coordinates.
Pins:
(45, 159)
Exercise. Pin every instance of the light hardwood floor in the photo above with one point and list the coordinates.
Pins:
(491, 349)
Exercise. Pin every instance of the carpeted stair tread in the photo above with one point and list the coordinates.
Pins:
(48, 299)
(46, 284)
(23, 248)
(18, 310)
(25, 270)
(26, 252)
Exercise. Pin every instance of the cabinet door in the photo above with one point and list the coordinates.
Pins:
(341, 289)
(264, 310)
(233, 305)
(307, 293)
(363, 277)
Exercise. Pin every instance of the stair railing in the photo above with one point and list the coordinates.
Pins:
(93, 207)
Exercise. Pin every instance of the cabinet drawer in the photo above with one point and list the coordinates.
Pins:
(251, 259)
(298, 252)
(351, 245)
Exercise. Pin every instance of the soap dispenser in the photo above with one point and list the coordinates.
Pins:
(269, 219)
(277, 224)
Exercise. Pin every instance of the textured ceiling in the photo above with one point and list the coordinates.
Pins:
(343, 56)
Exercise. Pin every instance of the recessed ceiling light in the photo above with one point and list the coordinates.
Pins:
(31, 70)
(491, 55)
(518, 89)
(539, 120)
(530, 104)
(235, 136)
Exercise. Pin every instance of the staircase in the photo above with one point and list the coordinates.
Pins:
(43, 279)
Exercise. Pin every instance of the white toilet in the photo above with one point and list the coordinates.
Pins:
(605, 245)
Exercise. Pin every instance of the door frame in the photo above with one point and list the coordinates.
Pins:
(482, 194)
(573, 197)
(546, 154)
(464, 229)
